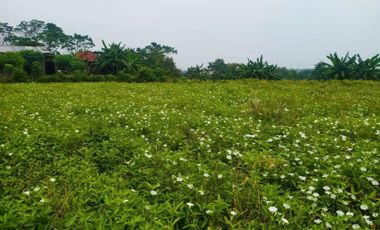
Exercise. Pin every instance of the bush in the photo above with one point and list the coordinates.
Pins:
(36, 70)
(12, 58)
(10, 73)
(32, 59)
(69, 63)
(147, 74)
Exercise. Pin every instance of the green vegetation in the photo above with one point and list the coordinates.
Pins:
(242, 154)
(154, 62)
(69, 64)
(40, 33)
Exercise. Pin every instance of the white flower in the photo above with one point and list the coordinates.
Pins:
(190, 186)
(42, 200)
(363, 207)
(285, 221)
(125, 201)
(229, 157)
(27, 193)
(36, 189)
(234, 213)
(355, 226)
(179, 179)
(52, 179)
(328, 225)
(303, 178)
(208, 211)
(220, 176)
(340, 213)
(375, 182)
(201, 192)
(363, 169)
(286, 206)
(375, 214)
(318, 221)
(351, 214)
(148, 155)
(153, 193)
(327, 188)
(206, 175)
(189, 204)
(76, 131)
(272, 209)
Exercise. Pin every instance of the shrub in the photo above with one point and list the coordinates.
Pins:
(10, 73)
(146, 74)
(69, 63)
(36, 70)
(32, 59)
(12, 58)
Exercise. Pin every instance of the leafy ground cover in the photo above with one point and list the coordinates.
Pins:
(227, 155)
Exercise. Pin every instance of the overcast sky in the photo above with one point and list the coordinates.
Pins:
(291, 33)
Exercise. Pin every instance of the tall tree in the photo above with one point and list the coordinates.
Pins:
(77, 42)
(218, 69)
(53, 37)
(27, 33)
(158, 57)
(5, 32)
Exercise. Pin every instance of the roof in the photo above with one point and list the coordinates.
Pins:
(5, 49)
(87, 56)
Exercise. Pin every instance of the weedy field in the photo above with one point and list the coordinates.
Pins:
(226, 155)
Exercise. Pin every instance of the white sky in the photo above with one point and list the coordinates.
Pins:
(291, 33)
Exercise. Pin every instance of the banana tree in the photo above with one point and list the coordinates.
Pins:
(112, 59)
(260, 69)
(368, 69)
(339, 67)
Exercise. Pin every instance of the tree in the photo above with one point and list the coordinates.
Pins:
(338, 68)
(5, 33)
(27, 33)
(77, 42)
(261, 69)
(218, 69)
(112, 58)
(198, 72)
(157, 57)
(31, 58)
(132, 61)
(368, 69)
(69, 63)
(53, 37)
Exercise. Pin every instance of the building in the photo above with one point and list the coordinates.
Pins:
(49, 64)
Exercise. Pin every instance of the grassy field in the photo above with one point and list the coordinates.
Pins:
(227, 155)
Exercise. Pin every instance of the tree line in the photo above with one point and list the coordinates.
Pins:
(153, 62)
(40, 33)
